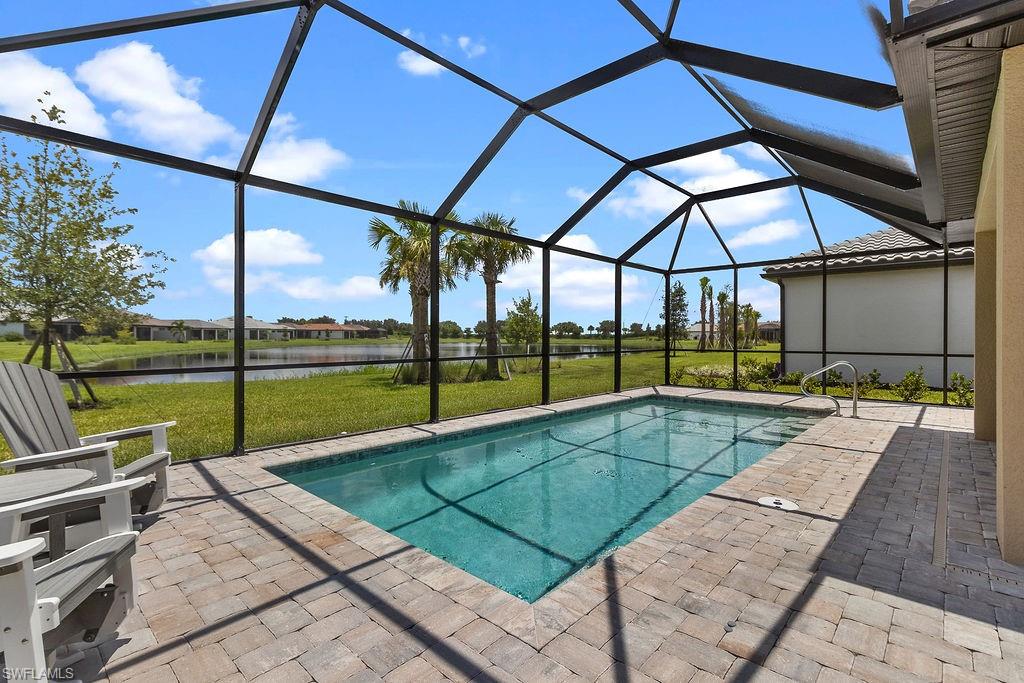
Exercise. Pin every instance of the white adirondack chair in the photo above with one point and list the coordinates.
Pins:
(77, 597)
(36, 422)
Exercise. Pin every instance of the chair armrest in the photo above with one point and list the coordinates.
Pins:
(47, 460)
(158, 432)
(113, 499)
(15, 553)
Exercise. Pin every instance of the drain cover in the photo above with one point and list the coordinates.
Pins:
(778, 503)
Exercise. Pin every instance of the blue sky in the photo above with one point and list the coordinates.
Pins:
(364, 117)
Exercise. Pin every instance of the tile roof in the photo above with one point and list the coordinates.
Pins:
(890, 238)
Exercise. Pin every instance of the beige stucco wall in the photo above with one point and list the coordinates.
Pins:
(1001, 210)
(884, 311)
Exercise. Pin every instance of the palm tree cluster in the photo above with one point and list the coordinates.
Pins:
(406, 247)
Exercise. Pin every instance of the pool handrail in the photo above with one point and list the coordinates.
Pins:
(820, 371)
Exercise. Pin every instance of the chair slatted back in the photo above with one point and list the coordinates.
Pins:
(34, 413)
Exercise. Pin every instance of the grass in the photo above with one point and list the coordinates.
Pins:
(326, 404)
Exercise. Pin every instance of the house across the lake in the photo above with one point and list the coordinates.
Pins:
(156, 329)
(337, 331)
(880, 308)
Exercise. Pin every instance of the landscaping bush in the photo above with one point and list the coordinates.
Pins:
(912, 387)
(12, 337)
(709, 376)
(962, 389)
(760, 372)
(835, 381)
(870, 383)
(794, 378)
(125, 337)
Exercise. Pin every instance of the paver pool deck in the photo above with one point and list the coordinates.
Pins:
(888, 571)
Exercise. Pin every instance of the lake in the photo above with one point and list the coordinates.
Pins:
(294, 354)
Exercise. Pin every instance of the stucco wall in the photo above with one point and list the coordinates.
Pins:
(893, 311)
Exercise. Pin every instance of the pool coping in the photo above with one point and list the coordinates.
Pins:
(541, 621)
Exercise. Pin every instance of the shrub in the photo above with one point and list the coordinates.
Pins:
(870, 383)
(761, 372)
(12, 337)
(708, 376)
(962, 388)
(794, 377)
(126, 337)
(813, 385)
(912, 387)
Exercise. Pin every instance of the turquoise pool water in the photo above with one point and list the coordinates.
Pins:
(525, 507)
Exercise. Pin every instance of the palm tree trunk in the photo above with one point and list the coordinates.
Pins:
(711, 324)
(491, 285)
(702, 344)
(419, 335)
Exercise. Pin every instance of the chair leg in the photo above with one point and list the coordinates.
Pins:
(162, 491)
(21, 634)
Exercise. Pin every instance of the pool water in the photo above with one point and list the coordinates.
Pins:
(525, 507)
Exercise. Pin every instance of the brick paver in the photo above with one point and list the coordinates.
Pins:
(246, 577)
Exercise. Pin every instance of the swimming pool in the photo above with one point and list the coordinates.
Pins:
(525, 507)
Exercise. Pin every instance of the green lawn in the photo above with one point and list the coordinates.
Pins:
(327, 404)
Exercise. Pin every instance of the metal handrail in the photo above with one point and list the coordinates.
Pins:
(821, 371)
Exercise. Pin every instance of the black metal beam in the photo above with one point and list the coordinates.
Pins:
(492, 149)
(589, 205)
(410, 44)
(613, 71)
(735, 327)
(289, 55)
(692, 150)
(866, 169)
(718, 235)
(238, 323)
(545, 333)
(617, 368)
(435, 321)
(641, 18)
(679, 241)
(892, 222)
(152, 22)
(810, 219)
(669, 25)
(833, 86)
(667, 327)
(863, 200)
(657, 229)
(94, 144)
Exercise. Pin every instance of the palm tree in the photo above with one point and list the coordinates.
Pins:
(755, 315)
(746, 314)
(407, 248)
(492, 256)
(711, 319)
(723, 302)
(704, 283)
(180, 330)
(590, 329)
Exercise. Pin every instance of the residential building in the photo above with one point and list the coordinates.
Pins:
(880, 310)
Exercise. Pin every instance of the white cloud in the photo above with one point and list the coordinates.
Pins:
(768, 233)
(418, 65)
(764, 298)
(25, 79)
(646, 198)
(578, 193)
(576, 283)
(268, 250)
(319, 288)
(154, 100)
(708, 163)
(269, 247)
(298, 160)
(755, 152)
(472, 49)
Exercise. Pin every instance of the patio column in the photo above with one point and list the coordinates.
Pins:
(1001, 211)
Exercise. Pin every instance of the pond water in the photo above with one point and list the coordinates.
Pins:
(294, 354)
